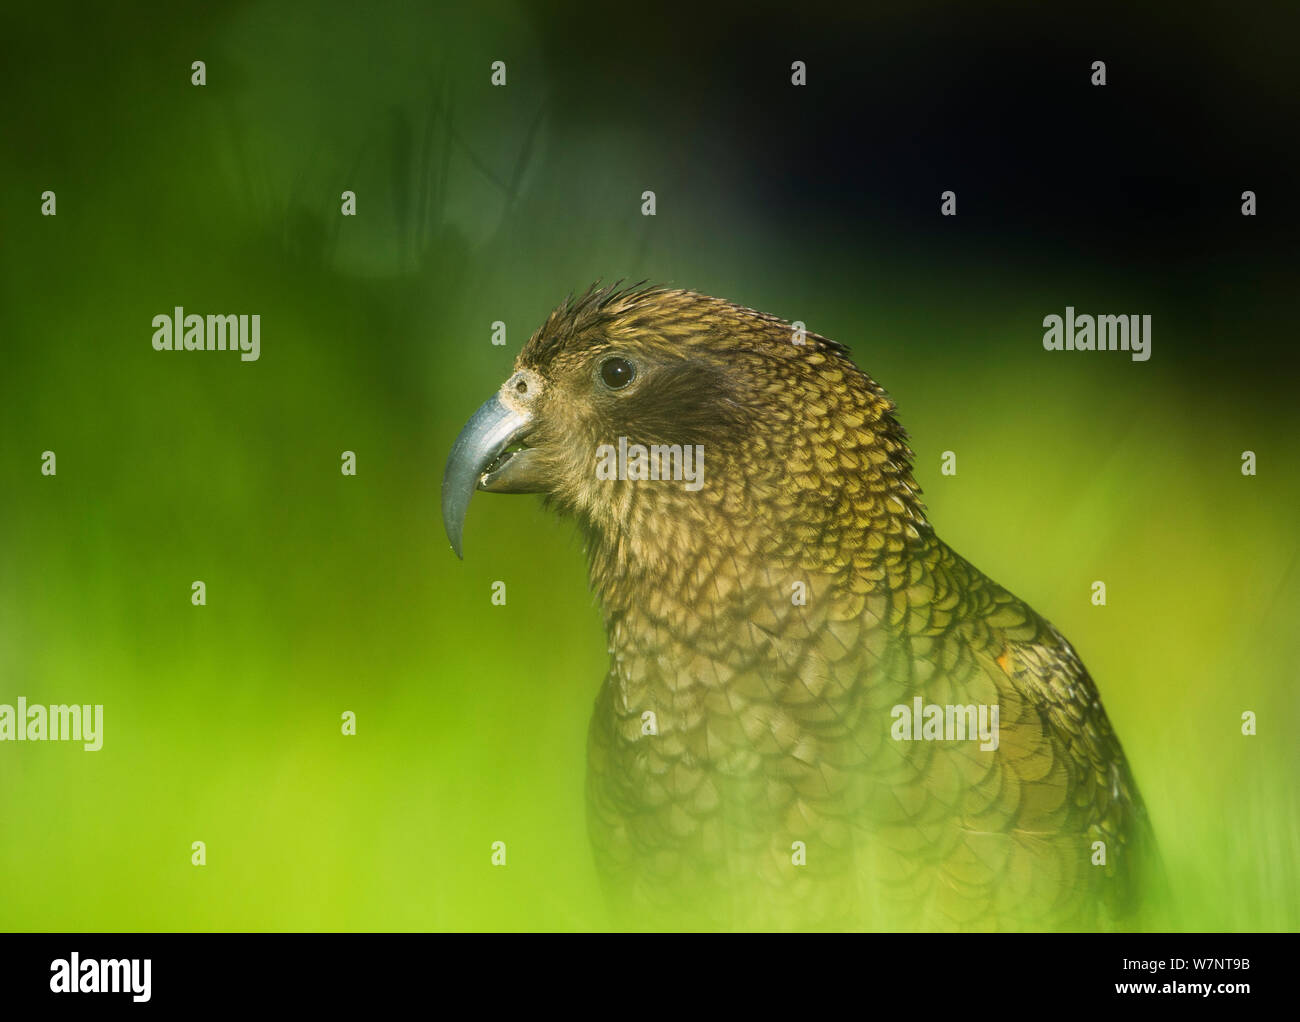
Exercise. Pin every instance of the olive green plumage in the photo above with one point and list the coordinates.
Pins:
(738, 723)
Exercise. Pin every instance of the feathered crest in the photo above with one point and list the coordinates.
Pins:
(643, 305)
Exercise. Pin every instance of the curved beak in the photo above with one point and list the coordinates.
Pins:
(480, 460)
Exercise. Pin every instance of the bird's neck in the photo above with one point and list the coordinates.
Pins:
(693, 576)
(801, 520)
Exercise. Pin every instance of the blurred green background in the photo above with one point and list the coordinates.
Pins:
(328, 593)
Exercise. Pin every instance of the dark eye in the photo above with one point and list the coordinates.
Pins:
(617, 373)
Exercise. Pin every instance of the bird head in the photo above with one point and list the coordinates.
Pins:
(670, 423)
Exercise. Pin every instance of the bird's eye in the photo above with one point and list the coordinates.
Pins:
(617, 373)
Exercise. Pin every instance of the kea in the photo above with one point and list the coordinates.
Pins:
(816, 713)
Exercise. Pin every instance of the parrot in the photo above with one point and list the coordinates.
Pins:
(816, 715)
